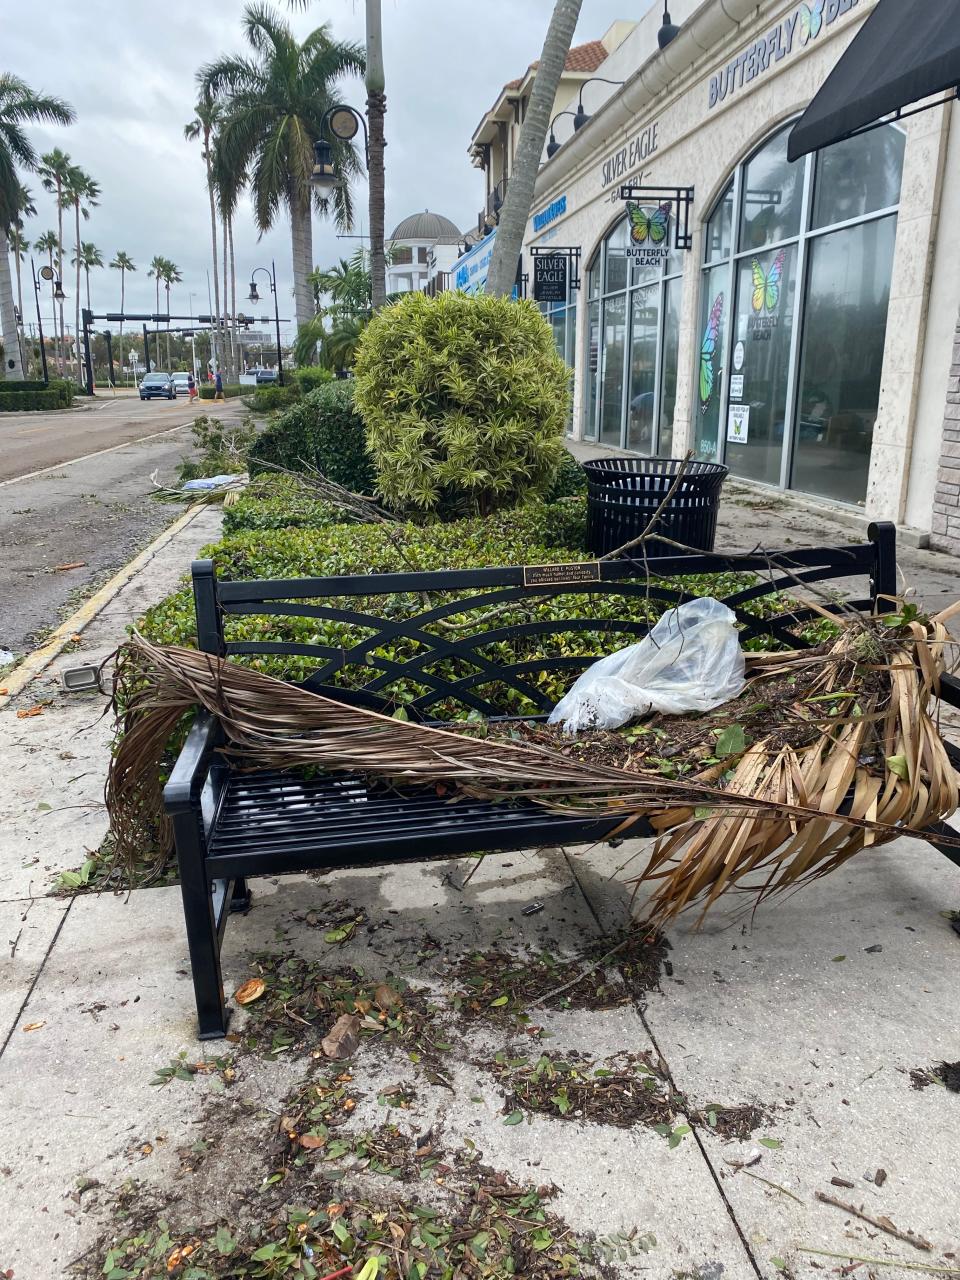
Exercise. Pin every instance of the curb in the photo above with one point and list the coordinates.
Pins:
(37, 661)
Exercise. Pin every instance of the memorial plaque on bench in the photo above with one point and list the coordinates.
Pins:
(552, 575)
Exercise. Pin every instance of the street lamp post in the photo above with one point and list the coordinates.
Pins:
(43, 349)
(254, 296)
(344, 123)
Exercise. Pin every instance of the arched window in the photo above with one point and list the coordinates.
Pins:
(633, 327)
(793, 314)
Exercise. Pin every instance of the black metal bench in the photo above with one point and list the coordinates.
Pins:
(231, 824)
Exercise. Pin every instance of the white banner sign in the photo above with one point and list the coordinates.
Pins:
(738, 424)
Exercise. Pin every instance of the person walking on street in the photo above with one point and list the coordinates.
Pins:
(191, 387)
(218, 381)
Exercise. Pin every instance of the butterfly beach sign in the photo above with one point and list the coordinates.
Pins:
(649, 229)
(795, 31)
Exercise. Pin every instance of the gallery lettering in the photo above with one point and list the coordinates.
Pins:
(796, 30)
(627, 158)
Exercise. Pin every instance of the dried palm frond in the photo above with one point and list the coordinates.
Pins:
(785, 816)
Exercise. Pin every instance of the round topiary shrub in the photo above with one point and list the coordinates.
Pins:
(464, 401)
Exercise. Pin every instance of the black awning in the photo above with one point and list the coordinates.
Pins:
(906, 50)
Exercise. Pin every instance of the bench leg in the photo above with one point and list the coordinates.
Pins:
(241, 897)
(202, 935)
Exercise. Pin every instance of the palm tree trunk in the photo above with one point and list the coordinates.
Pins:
(376, 110)
(122, 291)
(301, 234)
(169, 361)
(16, 261)
(227, 320)
(533, 134)
(53, 314)
(12, 364)
(62, 351)
(233, 304)
(76, 206)
(215, 328)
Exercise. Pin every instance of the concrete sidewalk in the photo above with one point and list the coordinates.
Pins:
(813, 1015)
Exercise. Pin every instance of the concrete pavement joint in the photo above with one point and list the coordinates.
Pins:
(36, 978)
(37, 661)
(641, 1013)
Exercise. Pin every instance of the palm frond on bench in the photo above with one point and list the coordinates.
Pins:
(786, 815)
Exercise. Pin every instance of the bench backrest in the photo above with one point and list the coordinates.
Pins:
(394, 629)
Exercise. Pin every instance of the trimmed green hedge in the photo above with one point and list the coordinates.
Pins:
(23, 385)
(323, 430)
(539, 533)
(19, 401)
(268, 399)
(310, 377)
(279, 502)
(208, 390)
(570, 480)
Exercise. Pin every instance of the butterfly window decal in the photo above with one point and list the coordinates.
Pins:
(648, 226)
(766, 284)
(708, 349)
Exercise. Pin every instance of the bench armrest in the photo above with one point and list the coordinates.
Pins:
(950, 690)
(182, 792)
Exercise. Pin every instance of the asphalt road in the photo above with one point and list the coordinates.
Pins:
(91, 506)
(31, 441)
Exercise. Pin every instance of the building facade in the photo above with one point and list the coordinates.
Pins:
(494, 142)
(420, 248)
(806, 336)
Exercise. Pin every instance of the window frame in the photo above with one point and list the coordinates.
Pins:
(598, 263)
(731, 262)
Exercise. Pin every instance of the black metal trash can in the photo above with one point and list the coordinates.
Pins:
(624, 493)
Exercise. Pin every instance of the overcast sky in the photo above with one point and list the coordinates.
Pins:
(128, 71)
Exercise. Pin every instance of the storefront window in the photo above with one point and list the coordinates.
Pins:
(846, 319)
(562, 318)
(813, 257)
(630, 398)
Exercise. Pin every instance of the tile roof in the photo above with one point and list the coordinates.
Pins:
(586, 57)
(582, 57)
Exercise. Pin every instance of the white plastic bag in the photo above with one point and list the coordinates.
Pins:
(690, 661)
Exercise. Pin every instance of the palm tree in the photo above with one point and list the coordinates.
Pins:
(533, 134)
(158, 266)
(53, 169)
(123, 263)
(19, 106)
(90, 257)
(273, 103)
(82, 194)
(202, 126)
(171, 275)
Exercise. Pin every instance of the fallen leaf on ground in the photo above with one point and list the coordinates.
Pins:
(312, 1141)
(250, 990)
(3, 690)
(343, 1038)
(880, 1177)
(34, 1026)
(30, 711)
(385, 997)
(74, 564)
